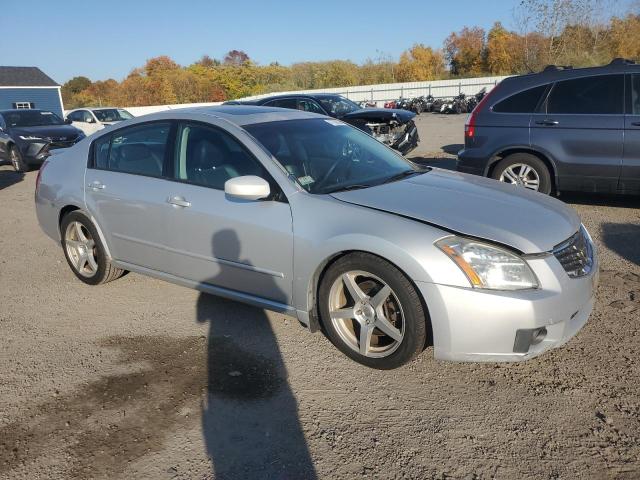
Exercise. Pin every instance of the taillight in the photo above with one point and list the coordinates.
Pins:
(470, 125)
(39, 177)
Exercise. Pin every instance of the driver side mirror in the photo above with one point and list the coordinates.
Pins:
(68, 121)
(247, 187)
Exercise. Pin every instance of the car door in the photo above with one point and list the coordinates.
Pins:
(581, 128)
(90, 122)
(4, 139)
(630, 172)
(126, 192)
(244, 246)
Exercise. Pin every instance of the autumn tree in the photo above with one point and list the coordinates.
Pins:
(235, 57)
(420, 63)
(465, 51)
(624, 37)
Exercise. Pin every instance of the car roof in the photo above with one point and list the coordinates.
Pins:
(239, 114)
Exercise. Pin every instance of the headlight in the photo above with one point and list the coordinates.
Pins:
(487, 266)
(30, 137)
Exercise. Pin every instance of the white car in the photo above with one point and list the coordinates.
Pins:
(90, 120)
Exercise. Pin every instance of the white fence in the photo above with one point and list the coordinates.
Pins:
(370, 93)
(391, 91)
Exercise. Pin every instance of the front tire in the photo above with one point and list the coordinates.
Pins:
(19, 165)
(372, 312)
(85, 252)
(524, 170)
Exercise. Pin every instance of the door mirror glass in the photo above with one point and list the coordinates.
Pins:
(68, 121)
(247, 187)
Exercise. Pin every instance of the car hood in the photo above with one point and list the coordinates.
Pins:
(55, 131)
(380, 115)
(474, 206)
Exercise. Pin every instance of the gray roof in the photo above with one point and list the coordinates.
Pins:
(25, 77)
(240, 114)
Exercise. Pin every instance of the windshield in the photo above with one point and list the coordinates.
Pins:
(326, 155)
(31, 118)
(338, 106)
(112, 114)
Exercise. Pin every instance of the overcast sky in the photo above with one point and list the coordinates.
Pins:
(106, 39)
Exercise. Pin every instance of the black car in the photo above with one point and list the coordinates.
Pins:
(394, 128)
(27, 136)
(562, 129)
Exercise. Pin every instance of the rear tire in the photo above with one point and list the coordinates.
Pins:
(384, 308)
(19, 165)
(525, 170)
(84, 250)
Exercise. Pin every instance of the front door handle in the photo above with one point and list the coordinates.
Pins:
(95, 186)
(178, 202)
(548, 123)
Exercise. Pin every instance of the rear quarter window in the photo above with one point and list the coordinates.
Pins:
(523, 102)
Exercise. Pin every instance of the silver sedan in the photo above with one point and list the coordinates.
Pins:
(308, 216)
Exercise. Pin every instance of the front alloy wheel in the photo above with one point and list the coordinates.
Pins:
(366, 314)
(371, 311)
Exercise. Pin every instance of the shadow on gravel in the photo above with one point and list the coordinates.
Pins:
(250, 418)
(9, 177)
(620, 201)
(623, 238)
(435, 161)
(453, 148)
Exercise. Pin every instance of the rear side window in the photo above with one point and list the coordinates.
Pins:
(139, 150)
(523, 102)
(599, 95)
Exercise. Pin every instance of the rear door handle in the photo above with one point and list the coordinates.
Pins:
(549, 123)
(95, 186)
(635, 124)
(178, 202)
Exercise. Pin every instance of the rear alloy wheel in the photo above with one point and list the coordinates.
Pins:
(372, 312)
(84, 251)
(19, 165)
(524, 170)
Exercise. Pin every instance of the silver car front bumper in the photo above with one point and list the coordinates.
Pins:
(482, 325)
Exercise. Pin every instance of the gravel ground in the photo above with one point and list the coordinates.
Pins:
(112, 381)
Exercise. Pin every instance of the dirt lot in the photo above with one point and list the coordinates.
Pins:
(143, 379)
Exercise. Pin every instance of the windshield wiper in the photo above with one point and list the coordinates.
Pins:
(348, 187)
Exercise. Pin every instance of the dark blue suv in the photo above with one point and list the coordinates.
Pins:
(562, 129)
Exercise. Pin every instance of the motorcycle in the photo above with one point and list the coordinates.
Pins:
(455, 105)
(475, 100)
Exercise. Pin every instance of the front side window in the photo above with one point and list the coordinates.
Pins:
(75, 116)
(139, 149)
(209, 157)
(86, 116)
(326, 155)
(523, 102)
(112, 114)
(307, 105)
(598, 95)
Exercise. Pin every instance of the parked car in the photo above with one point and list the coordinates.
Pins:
(562, 129)
(311, 217)
(90, 120)
(393, 127)
(27, 136)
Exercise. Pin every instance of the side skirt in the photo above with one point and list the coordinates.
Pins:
(212, 289)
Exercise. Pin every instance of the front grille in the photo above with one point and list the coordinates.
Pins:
(576, 254)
